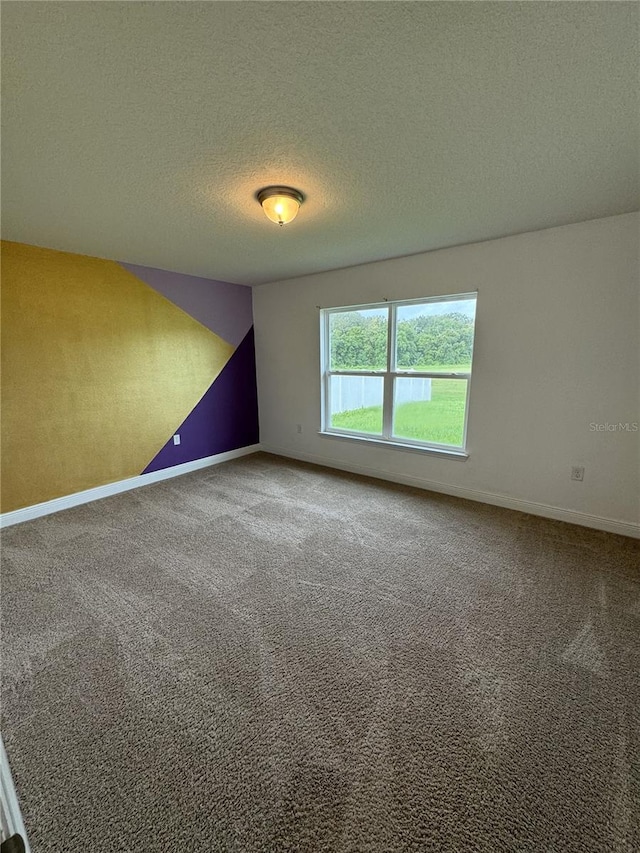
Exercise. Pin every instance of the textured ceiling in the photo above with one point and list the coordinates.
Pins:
(141, 131)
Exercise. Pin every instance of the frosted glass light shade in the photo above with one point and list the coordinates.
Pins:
(280, 204)
(280, 208)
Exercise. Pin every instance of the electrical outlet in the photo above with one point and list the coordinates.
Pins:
(299, 429)
(176, 438)
(577, 473)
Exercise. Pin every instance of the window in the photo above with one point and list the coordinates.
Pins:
(399, 372)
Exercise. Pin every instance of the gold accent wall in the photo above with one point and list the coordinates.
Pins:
(98, 370)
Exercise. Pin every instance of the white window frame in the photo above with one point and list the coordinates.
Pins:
(389, 375)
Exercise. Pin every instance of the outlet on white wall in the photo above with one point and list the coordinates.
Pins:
(577, 473)
(176, 438)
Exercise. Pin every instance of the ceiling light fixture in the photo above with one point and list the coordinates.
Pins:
(280, 204)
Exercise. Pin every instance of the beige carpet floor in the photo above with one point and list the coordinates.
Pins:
(269, 656)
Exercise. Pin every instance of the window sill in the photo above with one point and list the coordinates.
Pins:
(397, 445)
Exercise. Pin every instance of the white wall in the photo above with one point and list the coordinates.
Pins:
(557, 349)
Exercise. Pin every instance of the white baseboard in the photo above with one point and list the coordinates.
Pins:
(10, 817)
(596, 522)
(545, 510)
(67, 501)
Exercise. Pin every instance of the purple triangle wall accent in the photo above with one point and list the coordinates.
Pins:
(226, 417)
(224, 308)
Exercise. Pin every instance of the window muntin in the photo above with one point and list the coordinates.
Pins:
(399, 371)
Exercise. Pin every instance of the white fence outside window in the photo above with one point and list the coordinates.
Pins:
(360, 392)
